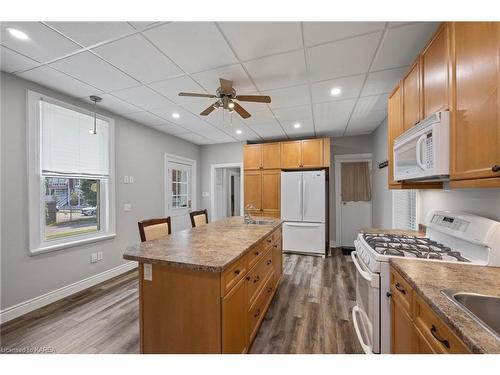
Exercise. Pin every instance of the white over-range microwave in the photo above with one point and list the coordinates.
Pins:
(422, 153)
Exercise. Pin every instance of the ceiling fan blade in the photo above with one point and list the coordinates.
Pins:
(226, 86)
(254, 98)
(241, 111)
(196, 95)
(207, 111)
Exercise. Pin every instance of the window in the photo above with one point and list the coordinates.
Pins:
(404, 209)
(71, 182)
(180, 188)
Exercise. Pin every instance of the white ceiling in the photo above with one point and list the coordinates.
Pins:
(139, 67)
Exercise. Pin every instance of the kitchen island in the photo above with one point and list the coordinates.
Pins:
(207, 289)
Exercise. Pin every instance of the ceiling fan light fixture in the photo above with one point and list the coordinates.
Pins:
(230, 105)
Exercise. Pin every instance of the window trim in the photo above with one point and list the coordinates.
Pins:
(36, 221)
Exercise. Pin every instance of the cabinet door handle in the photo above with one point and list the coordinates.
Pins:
(495, 168)
(269, 241)
(257, 253)
(248, 278)
(400, 288)
(270, 289)
(237, 272)
(275, 245)
(257, 278)
(269, 262)
(257, 313)
(435, 335)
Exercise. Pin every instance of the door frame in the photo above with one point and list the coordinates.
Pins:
(181, 160)
(339, 159)
(212, 185)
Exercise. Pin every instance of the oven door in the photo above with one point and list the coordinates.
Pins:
(366, 313)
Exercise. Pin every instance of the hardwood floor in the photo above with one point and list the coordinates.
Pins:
(309, 314)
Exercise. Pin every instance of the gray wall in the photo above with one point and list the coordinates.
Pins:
(381, 195)
(139, 152)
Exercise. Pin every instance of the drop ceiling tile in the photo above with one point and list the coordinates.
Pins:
(115, 105)
(12, 61)
(333, 116)
(145, 118)
(139, 58)
(342, 58)
(322, 32)
(171, 88)
(274, 72)
(94, 71)
(140, 25)
(210, 79)
(260, 117)
(350, 86)
(306, 129)
(44, 44)
(172, 129)
(271, 130)
(367, 104)
(193, 138)
(365, 123)
(251, 40)
(382, 82)
(143, 97)
(401, 45)
(53, 79)
(90, 33)
(194, 46)
(289, 116)
(288, 97)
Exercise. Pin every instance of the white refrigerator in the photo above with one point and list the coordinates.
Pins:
(303, 210)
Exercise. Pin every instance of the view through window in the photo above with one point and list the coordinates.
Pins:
(180, 188)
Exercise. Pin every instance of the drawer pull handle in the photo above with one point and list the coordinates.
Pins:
(257, 278)
(270, 289)
(237, 272)
(257, 253)
(269, 262)
(257, 313)
(269, 240)
(495, 168)
(435, 335)
(400, 288)
(276, 246)
(248, 277)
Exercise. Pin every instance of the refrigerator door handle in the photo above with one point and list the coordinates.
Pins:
(304, 203)
(299, 207)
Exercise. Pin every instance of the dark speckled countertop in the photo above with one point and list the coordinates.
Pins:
(428, 279)
(210, 247)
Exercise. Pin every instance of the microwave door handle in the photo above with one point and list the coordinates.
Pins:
(419, 151)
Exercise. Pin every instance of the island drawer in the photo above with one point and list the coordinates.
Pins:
(435, 331)
(258, 309)
(234, 273)
(255, 254)
(258, 275)
(276, 236)
(401, 290)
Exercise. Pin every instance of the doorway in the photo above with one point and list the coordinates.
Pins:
(226, 191)
(353, 203)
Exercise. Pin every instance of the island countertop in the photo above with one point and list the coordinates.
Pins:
(428, 279)
(211, 247)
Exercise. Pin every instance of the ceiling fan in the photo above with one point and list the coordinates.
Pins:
(226, 96)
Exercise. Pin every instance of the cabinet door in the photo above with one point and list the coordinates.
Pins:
(253, 189)
(291, 154)
(435, 70)
(271, 156)
(252, 156)
(422, 345)
(234, 320)
(475, 136)
(411, 98)
(271, 190)
(394, 128)
(403, 332)
(312, 153)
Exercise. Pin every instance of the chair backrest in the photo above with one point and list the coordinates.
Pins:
(151, 229)
(199, 218)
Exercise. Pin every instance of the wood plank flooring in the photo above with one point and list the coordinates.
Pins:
(309, 314)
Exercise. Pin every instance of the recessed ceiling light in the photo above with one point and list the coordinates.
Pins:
(17, 33)
(175, 115)
(238, 131)
(231, 105)
(296, 125)
(335, 91)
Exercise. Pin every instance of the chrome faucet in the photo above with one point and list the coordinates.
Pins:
(249, 219)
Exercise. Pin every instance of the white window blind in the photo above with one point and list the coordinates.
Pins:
(404, 209)
(67, 145)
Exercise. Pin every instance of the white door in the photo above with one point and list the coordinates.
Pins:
(313, 193)
(291, 196)
(179, 191)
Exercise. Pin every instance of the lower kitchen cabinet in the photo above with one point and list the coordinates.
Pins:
(403, 332)
(234, 318)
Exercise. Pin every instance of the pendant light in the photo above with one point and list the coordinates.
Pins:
(95, 99)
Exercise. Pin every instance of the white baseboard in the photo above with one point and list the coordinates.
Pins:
(35, 303)
(333, 244)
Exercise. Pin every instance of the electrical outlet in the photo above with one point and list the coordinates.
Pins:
(93, 258)
(99, 255)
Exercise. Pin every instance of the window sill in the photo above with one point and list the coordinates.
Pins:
(47, 249)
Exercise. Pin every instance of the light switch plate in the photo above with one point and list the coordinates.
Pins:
(148, 271)
(127, 207)
(99, 255)
(205, 194)
(130, 179)
(125, 179)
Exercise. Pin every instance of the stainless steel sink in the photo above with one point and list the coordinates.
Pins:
(260, 222)
(482, 308)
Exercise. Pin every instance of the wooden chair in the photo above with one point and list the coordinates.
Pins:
(151, 229)
(199, 218)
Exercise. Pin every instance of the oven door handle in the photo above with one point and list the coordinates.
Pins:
(365, 274)
(366, 348)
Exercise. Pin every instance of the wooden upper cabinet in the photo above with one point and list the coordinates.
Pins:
(312, 153)
(411, 97)
(435, 62)
(253, 189)
(271, 198)
(291, 154)
(252, 156)
(271, 156)
(475, 125)
(394, 127)
(234, 320)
